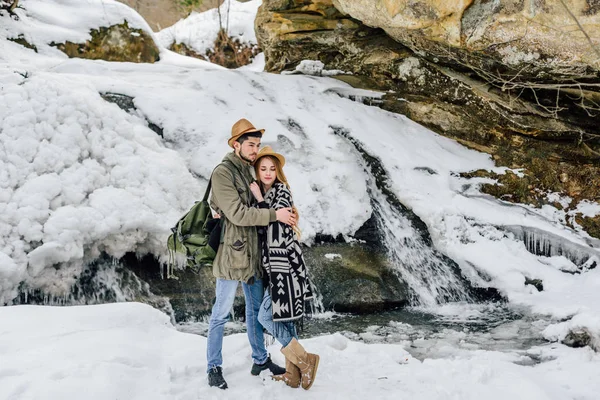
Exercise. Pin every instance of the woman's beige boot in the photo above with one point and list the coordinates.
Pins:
(291, 376)
(306, 362)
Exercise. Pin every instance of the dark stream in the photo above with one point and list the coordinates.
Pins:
(426, 333)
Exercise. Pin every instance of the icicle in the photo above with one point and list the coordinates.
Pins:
(543, 243)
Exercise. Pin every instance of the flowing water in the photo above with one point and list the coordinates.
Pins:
(431, 277)
(427, 332)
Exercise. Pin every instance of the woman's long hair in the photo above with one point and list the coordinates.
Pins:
(279, 179)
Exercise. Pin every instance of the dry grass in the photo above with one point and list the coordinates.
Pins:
(227, 51)
(230, 52)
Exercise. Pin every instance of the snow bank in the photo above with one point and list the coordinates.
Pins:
(130, 351)
(79, 176)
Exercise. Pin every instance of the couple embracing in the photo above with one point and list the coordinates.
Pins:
(259, 248)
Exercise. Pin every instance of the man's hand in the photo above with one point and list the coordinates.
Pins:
(255, 189)
(286, 215)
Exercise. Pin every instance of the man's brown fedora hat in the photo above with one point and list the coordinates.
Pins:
(240, 128)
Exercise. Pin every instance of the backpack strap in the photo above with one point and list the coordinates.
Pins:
(209, 186)
(205, 198)
(229, 166)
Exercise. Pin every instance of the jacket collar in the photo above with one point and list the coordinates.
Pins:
(236, 160)
(240, 164)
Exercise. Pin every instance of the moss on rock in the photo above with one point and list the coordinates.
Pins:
(590, 224)
(184, 50)
(114, 43)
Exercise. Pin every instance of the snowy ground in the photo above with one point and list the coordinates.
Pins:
(79, 176)
(131, 351)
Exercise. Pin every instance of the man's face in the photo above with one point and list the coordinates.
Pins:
(248, 150)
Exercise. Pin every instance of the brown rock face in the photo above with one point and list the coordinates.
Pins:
(511, 32)
(488, 74)
(293, 30)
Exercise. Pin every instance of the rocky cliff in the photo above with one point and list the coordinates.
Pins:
(519, 80)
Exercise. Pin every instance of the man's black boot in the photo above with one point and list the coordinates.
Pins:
(270, 365)
(215, 378)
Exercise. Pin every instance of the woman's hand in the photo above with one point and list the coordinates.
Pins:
(255, 189)
(287, 216)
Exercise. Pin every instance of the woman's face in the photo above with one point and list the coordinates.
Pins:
(267, 172)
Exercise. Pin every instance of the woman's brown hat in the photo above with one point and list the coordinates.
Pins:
(240, 128)
(268, 151)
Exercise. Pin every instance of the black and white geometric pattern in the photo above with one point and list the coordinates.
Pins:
(283, 261)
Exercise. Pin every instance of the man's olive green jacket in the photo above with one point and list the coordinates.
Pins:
(238, 257)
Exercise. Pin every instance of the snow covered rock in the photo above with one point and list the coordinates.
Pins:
(80, 178)
(114, 43)
(580, 331)
(113, 32)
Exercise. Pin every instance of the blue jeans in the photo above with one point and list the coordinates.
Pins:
(225, 294)
(284, 332)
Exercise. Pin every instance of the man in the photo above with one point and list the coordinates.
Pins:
(238, 257)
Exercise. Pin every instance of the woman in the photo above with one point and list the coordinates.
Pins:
(284, 272)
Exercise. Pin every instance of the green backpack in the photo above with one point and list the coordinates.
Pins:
(190, 236)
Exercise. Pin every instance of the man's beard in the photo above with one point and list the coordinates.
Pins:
(243, 157)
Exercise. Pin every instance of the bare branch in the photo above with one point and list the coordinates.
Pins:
(10, 6)
(516, 84)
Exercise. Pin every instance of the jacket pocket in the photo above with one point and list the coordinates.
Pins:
(238, 254)
(235, 246)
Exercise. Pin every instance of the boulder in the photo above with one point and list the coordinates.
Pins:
(352, 277)
(161, 14)
(580, 337)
